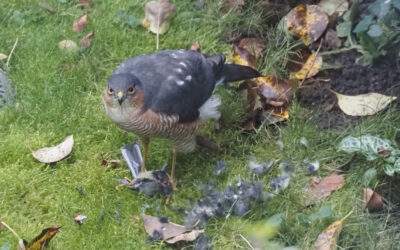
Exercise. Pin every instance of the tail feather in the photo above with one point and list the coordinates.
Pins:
(236, 72)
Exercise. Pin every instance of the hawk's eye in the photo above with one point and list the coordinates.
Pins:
(131, 90)
(110, 91)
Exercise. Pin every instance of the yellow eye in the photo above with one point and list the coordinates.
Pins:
(131, 90)
(110, 91)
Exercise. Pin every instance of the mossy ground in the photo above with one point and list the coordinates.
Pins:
(59, 94)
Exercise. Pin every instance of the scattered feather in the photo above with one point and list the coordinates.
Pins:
(68, 46)
(55, 153)
(260, 168)
(80, 218)
(80, 23)
(133, 157)
(304, 142)
(219, 168)
(312, 167)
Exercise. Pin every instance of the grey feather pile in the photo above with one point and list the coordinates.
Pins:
(7, 93)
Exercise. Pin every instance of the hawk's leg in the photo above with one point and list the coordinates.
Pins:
(173, 163)
(146, 143)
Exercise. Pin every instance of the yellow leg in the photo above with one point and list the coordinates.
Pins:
(173, 167)
(146, 144)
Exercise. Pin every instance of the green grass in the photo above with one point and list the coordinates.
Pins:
(59, 94)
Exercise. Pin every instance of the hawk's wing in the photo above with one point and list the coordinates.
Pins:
(175, 82)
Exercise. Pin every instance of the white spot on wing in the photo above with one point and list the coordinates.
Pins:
(188, 78)
(180, 82)
(173, 55)
(183, 64)
(179, 70)
(209, 110)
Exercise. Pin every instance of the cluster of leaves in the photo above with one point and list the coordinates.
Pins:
(375, 27)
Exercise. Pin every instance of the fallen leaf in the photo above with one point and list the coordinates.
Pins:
(273, 91)
(243, 57)
(157, 16)
(85, 3)
(159, 228)
(55, 153)
(68, 46)
(308, 22)
(111, 163)
(319, 189)
(334, 6)
(3, 56)
(328, 238)
(43, 239)
(80, 23)
(253, 45)
(372, 200)
(195, 46)
(310, 68)
(86, 41)
(80, 218)
(228, 5)
(365, 104)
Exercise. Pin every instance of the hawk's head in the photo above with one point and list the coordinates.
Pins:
(123, 90)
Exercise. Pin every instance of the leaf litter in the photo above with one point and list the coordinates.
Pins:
(318, 189)
(372, 200)
(80, 23)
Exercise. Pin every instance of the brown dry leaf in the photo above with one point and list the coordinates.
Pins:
(80, 23)
(86, 41)
(243, 57)
(310, 68)
(43, 239)
(158, 15)
(273, 91)
(253, 45)
(3, 56)
(55, 153)
(195, 46)
(170, 232)
(228, 5)
(85, 3)
(334, 6)
(308, 22)
(372, 200)
(365, 104)
(328, 238)
(321, 188)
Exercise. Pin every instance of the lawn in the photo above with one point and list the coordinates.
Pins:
(58, 94)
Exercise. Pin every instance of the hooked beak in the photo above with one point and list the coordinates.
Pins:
(121, 97)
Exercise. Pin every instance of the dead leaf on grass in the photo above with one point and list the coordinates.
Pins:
(68, 46)
(310, 68)
(86, 41)
(80, 23)
(228, 5)
(161, 229)
(307, 22)
(3, 56)
(328, 238)
(253, 45)
(195, 46)
(158, 15)
(372, 200)
(43, 239)
(273, 91)
(243, 57)
(319, 189)
(55, 153)
(365, 104)
(334, 6)
(85, 3)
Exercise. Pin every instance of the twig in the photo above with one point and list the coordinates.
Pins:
(245, 240)
(312, 65)
(11, 230)
(11, 53)
(337, 51)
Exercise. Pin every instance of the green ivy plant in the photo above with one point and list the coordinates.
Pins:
(374, 31)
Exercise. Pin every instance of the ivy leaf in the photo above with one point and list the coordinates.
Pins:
(375, 30)
(396, 4)
(379, 8)
(343, 29)
(369, 176)
(364, 24)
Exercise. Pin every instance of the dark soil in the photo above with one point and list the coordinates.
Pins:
(348, 78)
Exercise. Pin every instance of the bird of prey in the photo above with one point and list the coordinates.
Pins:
(169, 94)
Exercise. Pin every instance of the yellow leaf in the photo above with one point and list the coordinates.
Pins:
(328, 238)
(307, 22)
(310, 68)
(365, 104)
(157, 16)
(243, 57)
(40, 241)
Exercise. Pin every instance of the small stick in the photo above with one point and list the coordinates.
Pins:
(11, 230)
(12, 51)
(245, 240)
